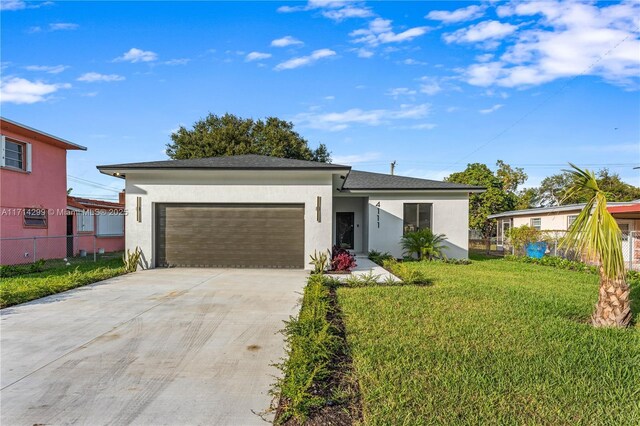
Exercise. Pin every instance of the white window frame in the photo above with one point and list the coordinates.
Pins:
(85, 221)
(570, 219)
(537, 227)
(106, 223)
(26, 154)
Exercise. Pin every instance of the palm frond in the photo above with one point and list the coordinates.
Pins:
(595, 232)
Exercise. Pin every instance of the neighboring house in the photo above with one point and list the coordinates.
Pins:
(89, 218)
(559, 218)
(258, 211)
(33, 199)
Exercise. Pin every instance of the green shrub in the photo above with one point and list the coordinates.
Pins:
(320, 261)
(131, 260)
(364, 280)
(378, 257)
(408, 275)
(423, 243)
(311, 343)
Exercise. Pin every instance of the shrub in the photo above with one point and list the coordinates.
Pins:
(320, 262)
(131, 260)
(378, 257)
(311, 342)
(409, 275)
(364, 280)
(342, 260)
(424, 243)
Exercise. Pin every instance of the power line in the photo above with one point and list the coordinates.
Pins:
(91, 183)
(537, 106)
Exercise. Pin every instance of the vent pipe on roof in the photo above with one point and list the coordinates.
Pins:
(393, 166)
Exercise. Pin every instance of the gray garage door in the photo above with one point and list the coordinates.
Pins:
(230, 235)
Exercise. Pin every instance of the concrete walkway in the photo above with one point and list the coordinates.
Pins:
(366, 267)
(158, 347)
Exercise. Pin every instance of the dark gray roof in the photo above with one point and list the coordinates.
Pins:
(236, 162)
(358, 180)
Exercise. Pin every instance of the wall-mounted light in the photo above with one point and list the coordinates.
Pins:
(319, 209)
(139, 209)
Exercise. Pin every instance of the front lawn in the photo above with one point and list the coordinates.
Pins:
(494, 342)
(26, 287)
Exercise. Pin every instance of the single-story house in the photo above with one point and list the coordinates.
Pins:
(260, 211)
(558, 219)
(94, 225)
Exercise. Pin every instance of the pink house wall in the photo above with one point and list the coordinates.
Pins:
(44, 187)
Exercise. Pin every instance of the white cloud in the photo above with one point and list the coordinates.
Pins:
(452, 109)
(423, 126)
(487, 30)
(63, 26)
(336, 121)
(257, 56)
(177, 61)
(92, 77)
(485, 57)
(381, 32)
(51, 69)
(459, 15)
(491, 109)
(347, 12)
(335, 10)
(137, 55)
(430, 86)
(20, 4)
(567, 40)
(22, 91)
(411, 61)
(286, 41)
(301, 61)
(400, 91)
(364, 53)
(356, 158)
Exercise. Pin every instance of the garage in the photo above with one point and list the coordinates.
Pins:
(230, 235)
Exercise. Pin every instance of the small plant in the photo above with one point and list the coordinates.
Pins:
(342, 260)
(364, 280)
(131, 260)
(320, 262)
(408, 275)
(37, 266)
(378, 257)
(424, 243)
(390, 281)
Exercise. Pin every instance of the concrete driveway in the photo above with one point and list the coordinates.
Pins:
(157, 347)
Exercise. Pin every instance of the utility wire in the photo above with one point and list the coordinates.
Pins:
(545, 100)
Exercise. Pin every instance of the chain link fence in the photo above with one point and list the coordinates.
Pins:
(496, 246)
(55, 251)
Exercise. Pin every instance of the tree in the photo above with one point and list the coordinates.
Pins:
(527, 199)
(555, 189)
(500, 194)
(596, 235)
(217, 136)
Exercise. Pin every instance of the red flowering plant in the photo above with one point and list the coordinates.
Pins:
(342, 260)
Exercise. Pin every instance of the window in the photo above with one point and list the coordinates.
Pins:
(84, 221)
(110, 224)
(35, 218)
(624, 228)
(536, 223)
(570, 219)
(14, 153)
(416, 216)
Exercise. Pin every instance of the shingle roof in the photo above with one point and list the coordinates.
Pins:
(358, 180)
(236, 162)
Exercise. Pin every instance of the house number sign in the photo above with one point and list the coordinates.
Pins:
(378, 220)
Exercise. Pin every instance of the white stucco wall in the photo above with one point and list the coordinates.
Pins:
(192, 186)
(450, 217)
(549, 221)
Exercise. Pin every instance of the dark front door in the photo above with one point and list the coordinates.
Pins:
(344, 229)
(70, 235)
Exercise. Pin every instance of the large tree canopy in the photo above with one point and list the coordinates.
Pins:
(218, 136)
(500, 195)
(555, 190)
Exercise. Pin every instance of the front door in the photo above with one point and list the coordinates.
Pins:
(344, 229)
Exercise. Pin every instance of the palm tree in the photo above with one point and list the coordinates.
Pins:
(423, 243)
(596, 235)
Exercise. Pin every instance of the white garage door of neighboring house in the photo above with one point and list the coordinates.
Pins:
(230, 235)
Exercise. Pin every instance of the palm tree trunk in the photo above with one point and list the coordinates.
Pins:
(613, 308)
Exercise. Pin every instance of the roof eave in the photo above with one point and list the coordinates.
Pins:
(360, 190)
(66, 144)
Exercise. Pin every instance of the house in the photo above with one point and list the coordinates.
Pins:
(259, 211)
(33, 200)
(558, 219)
(97, 225)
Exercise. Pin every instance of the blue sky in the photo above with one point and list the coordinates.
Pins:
(432, 85)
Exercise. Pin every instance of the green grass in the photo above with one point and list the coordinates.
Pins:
(26, 287)
(494, 342)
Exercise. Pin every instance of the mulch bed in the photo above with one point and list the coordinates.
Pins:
(347, 409)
